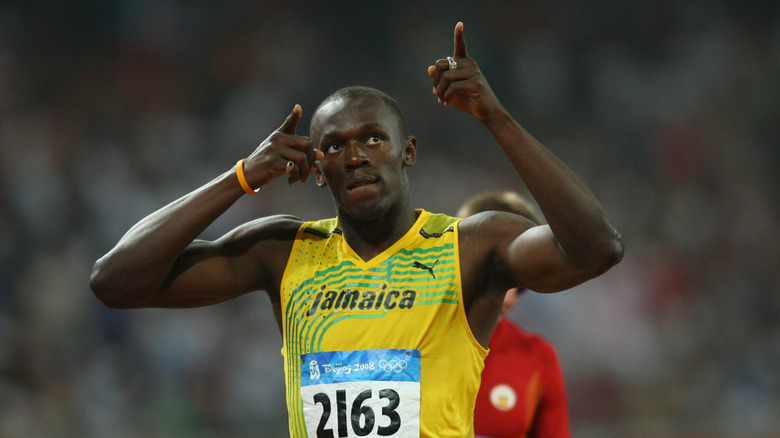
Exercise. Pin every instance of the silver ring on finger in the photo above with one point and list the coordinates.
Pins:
(453, 63)
(290, 167)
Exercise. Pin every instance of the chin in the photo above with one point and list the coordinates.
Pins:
(368, 214)
(367, 211)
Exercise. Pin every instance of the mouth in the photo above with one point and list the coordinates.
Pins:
(361, 181)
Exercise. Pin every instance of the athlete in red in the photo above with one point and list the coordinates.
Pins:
(522, 393)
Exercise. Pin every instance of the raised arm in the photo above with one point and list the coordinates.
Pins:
(158, 262)
(579, 243)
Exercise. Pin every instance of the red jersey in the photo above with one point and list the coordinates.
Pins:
(522, 393)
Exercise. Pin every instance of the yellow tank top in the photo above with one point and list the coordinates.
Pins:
(379, 347)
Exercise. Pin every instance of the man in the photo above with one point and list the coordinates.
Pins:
(522, 391)
(382, 309)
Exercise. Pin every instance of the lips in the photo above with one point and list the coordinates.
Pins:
(360, 181)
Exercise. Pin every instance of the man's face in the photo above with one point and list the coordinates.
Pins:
(365, 153)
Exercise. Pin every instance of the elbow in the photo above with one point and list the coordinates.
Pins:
(616, 250)
(108, 289)
(101, 286)
(608, 253)
(598, 256)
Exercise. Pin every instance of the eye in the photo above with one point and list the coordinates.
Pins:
(333, 148)
(374, 139)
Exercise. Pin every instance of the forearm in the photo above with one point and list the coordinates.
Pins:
(574, 214)
(139, 265)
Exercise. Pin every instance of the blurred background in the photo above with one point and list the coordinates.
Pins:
(669, 110)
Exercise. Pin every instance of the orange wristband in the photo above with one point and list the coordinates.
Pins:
(242, 178)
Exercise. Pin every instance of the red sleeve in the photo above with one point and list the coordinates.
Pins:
(552, 416)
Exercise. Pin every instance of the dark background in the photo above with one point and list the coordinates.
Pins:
(668, 110)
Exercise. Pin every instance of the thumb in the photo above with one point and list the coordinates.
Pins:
(291, 123)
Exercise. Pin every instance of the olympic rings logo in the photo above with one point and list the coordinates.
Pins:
(392, 365)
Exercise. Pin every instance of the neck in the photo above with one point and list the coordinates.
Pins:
(370, 238)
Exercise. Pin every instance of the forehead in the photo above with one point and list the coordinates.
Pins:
(350, 112)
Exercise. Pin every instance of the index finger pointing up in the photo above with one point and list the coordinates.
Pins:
(460, 42)
(291, 123)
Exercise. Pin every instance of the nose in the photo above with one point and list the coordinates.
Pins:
(355, 155)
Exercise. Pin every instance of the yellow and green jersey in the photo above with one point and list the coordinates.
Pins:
(379, 347)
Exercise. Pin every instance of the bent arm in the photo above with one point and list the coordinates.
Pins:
(579, 243)
(576, 245)
(158, 262)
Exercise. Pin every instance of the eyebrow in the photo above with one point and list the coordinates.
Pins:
(366, 127)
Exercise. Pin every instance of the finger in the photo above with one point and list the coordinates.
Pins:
(291, 123)
(310, 156)
(294, 175)
(453, 89)
(298, 149)
(304, 167)
(318, 155)
(301, 165)
(292, 168)
(447, 79)
(435, 71)
(460, 42)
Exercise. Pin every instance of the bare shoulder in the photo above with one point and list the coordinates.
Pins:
(277, 228)
(488, 227)
(484, 277)
(255, 252)
(482, 236)
(261, 244)
(277, 222)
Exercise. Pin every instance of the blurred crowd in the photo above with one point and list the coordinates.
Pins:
(668, 110)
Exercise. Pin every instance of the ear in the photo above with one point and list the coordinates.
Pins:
(510, 298)
(410, 151)
(318, 177)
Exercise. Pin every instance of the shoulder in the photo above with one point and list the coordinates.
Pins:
(323, 228)
(437, 224)
(547, 361)
(276, 227)
(542, 348)
(515, 335)
(482, 235)
(534, 341)
(263, 245)
(489, 224)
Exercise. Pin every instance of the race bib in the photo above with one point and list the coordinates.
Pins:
(362, 393)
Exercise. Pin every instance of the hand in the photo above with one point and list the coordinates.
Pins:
(464, 88)
(271, 158)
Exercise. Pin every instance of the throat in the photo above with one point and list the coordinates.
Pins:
(368, 239)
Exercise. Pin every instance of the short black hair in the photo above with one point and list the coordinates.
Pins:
(363, 91)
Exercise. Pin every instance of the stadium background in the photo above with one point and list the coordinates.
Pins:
(669, 110)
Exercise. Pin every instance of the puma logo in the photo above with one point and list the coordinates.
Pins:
(429, 269)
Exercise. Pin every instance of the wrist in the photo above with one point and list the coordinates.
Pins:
(242, 178)
(497, 119)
